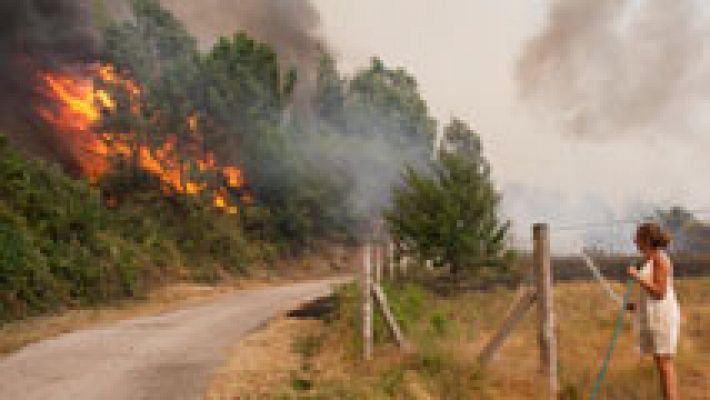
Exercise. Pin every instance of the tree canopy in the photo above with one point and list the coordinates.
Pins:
(689, 233)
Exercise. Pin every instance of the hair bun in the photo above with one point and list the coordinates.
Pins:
(655, 236)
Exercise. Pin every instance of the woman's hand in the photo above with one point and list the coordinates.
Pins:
(633, 272)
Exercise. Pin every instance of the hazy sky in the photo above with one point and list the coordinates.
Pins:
(464, 54)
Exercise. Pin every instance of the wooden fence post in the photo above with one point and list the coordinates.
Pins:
(377, 255)
(366, 283)
(390, 260)
(546, 328)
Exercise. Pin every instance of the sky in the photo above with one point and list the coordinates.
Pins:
(465, 56)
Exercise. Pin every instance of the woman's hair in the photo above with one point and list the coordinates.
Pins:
(653, 235)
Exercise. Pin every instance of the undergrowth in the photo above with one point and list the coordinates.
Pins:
(61, 247)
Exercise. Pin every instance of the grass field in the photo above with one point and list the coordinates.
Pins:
(585, 318)
(449, 332)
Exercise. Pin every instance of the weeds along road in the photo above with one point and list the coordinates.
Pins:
(167, 356)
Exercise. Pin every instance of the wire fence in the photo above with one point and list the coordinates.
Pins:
(611, 247)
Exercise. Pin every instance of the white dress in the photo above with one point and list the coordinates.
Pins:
(659, 320)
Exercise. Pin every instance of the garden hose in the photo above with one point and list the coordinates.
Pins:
(614, 339)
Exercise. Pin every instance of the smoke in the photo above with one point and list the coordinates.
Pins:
(370, 164)
(610, 67)
(35, 36)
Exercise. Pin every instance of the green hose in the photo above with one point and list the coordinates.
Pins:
(614, 338)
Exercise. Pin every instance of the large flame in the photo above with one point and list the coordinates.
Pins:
(78, 110)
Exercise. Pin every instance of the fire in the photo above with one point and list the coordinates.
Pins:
(234, 176)
(80, 105)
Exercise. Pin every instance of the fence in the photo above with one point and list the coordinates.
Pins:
(613, 267)
(593, 262)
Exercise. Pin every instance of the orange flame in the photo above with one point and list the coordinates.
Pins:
(80, 105)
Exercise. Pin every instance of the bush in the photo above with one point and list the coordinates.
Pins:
(26, 282)
(60, 247)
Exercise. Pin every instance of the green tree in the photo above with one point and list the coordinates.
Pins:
(450, 215)
(460, 139)
(152, 41)
(386, 102)
(243, 93)
(329, 99)
(689, 233)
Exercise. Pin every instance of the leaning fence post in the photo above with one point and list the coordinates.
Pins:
(546, 328)
(391, 321)
(366, 283)
(521, 304)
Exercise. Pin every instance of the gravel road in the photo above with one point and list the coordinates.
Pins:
(168, 357)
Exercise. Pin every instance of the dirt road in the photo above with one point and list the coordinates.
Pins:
(168, 356)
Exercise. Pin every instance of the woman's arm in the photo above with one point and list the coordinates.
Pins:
(658, 283)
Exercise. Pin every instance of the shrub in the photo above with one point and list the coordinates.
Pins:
(60, 247)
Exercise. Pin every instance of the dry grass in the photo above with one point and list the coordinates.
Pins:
(585, 318)
(261, 366)
(445, 366)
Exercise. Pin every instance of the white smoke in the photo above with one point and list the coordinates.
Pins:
(614, 67)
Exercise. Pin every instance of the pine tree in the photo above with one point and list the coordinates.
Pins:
(449, 213)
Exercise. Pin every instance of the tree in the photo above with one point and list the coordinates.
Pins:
(688, 232)
(386, 102)
(460, 139)
(150, 42)
(157, 52)
(329, 99)
(450, 215)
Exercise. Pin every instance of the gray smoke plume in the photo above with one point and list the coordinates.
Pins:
(608, 67)
(37, 36)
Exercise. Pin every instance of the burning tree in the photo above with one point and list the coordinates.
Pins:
(146, 120)
(86, 106)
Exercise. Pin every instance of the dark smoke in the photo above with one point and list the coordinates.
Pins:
(37, 35)
(608, 67)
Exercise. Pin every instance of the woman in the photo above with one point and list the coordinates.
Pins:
(659, 314)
